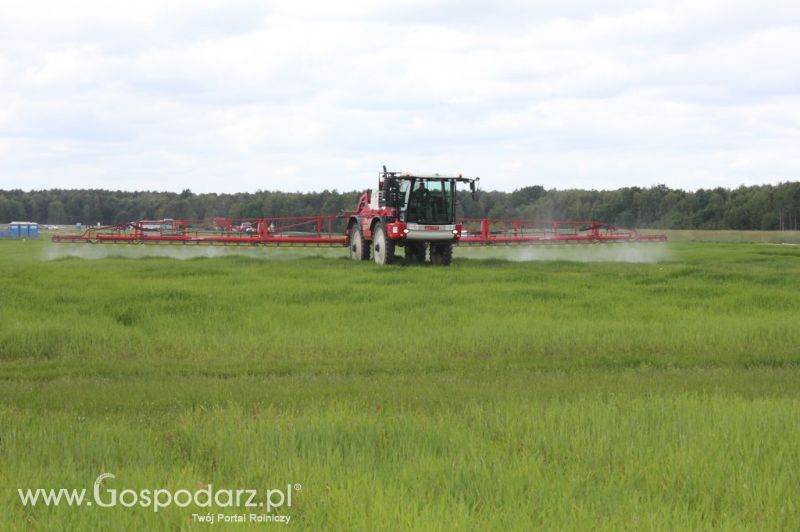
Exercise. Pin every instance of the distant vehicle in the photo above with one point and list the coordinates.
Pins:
(53, 227)
(246, 227)
(167, 224)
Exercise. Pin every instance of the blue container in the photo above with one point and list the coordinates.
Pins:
(22, 230)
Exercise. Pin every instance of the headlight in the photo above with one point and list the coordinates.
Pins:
(455, 231)
(405, 231)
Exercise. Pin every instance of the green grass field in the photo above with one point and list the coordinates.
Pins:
(647, 387)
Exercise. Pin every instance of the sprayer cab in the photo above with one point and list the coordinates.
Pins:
(420, 199)
(416, 208)
(415, 212)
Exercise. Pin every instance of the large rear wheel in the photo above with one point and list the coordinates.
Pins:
(382, 245)
(441, 254)
(359, 250)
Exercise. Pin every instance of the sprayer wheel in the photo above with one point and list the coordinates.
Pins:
(382, 245)
(359, 250)
(415, 252)
(441, 254)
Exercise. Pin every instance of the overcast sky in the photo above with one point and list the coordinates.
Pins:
(291, 95)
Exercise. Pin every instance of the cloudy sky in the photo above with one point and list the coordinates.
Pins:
(292, 95)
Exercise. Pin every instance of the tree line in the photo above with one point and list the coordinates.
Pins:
(765, 207)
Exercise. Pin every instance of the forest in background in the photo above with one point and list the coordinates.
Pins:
(764, 207)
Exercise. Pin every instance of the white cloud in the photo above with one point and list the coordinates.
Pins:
(220, 96)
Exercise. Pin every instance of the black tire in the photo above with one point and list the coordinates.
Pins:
(382, 245)
(441, 254)
(359, 250)
(415, 252)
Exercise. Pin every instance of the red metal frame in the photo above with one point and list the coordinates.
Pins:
(283, 231)
(485, 232)
(328, 230)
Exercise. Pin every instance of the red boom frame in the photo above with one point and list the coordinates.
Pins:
(483, 232)
(283, 231)
(329, 230)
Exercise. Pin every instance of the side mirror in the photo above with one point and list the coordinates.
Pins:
(473, 187)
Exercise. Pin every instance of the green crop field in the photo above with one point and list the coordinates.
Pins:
(642, 387)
